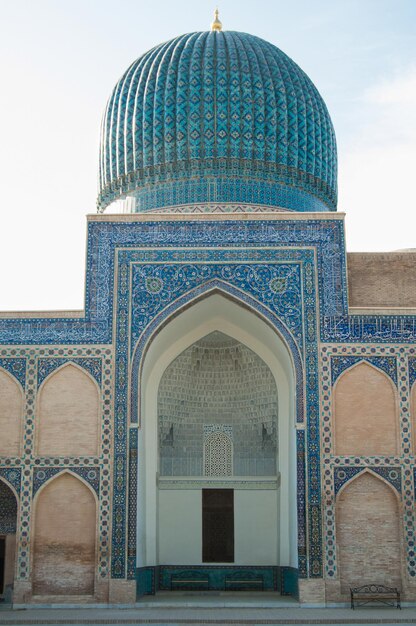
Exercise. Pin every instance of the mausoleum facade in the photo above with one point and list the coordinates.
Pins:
(237, 401)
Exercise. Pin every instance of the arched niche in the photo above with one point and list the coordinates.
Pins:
(368, 533)
(64, 553)
(11, 415)
(68, 413)
(365, 412)
(217, 395)
(215, 313)
(8, 524)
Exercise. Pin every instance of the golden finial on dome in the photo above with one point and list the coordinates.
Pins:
(216, 24)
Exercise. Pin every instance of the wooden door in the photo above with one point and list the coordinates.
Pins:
(218, 525)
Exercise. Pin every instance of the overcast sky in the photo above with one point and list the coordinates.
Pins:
(59, 60)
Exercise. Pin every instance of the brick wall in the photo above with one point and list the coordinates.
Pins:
(67, 414)
(11, 409)
(64, 538)
(365, 413)
(368, 535)
(382, 279)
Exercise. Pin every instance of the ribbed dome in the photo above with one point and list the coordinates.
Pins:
(217, 117)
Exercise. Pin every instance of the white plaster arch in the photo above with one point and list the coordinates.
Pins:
(215, 312)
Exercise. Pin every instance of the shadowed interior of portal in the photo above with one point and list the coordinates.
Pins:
(218, 434)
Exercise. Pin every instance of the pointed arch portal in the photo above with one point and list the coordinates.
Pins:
(293, 341)
(167, 511)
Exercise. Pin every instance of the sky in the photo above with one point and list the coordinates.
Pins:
(59, 60)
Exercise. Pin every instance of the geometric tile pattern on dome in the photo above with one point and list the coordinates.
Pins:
(215, 208)
(267, 194)
(217, 106)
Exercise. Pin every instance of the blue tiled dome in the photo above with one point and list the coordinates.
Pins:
(217, 117)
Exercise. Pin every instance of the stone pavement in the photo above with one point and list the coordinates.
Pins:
(169, 615)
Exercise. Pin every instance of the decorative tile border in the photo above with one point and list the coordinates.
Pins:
(387, 364)
(126, 278)
(343, 475)
(398, 470)
(193, 295)
(47, 366)
(41, 476)
(15, 367)
(131, 271)
(29, 472)
(140, 255)
(412, 371)
(13, 476)
(326, 236)
(8, 509)
(368, 329)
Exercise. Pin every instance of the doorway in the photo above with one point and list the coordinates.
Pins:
(218, 526)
